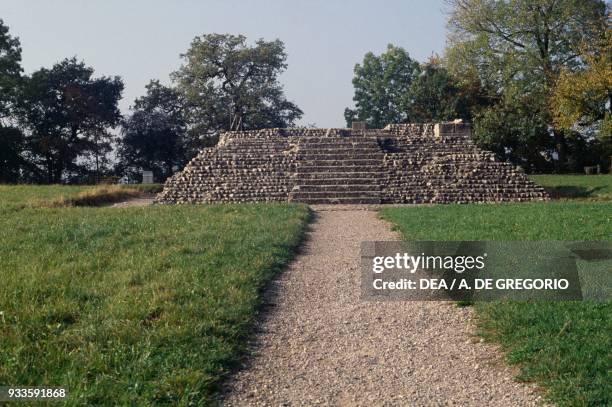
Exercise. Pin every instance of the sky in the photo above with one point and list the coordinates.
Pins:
(141, 40)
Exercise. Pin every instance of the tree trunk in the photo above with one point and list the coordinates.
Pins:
(49, 163)
(97, 167)
(561, 147)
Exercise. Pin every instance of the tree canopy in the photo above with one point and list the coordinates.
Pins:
(517, 50)
(67, 114)
(394, 88)
(154, 134)
(12, 141)
(228, 85)
(437, 96)
(584, 97)
(10, 68)
(382, 83)
(59, 124)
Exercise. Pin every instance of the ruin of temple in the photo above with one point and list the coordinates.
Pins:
(400, 164)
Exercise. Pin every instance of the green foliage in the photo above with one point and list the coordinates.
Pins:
(515, 130)
(229, 85)
(136, 306)
(10, 68)
(524, 41)
(12, 144)
(382, 85)
(435, 96)
(516, 49)
(154, 136)
(583, 99)
(67, 113)
(565, 347)
(393, 88)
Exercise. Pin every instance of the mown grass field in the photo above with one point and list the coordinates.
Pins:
(134, 306)
(34, 196)
(583, 187)
(564, 346)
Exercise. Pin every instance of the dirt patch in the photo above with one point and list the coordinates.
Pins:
(140, 201)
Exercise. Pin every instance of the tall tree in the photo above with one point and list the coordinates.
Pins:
(154, 135)
(435, 95)
(67, 115)
(519, 47)
(584, 98)
(10, 68)
(382, 84)
(582, 103)
(11, 138)
(229, 85)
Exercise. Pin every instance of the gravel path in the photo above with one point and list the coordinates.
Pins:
(319, 344)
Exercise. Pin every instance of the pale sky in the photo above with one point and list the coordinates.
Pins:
(141, 40)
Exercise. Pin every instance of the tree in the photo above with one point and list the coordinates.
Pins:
(228, 85)
(11, 139)
(584, 98)
(437, 96)
(12, 144)
(582, 104)
(520, 47)
(154, 135)
(10, 68)
(67, 113)
(382, 84)
(514, 129)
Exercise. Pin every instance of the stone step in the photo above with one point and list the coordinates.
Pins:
(338, 181)
(335, 147)
(337, 188)
(347, 162)
(302, 169)
(339, 201)
(334, 174)
(335, 194)
(338, 140)
(358, 139)
(325, 155)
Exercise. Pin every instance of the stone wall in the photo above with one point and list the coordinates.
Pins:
(441, 164)
(402, 163)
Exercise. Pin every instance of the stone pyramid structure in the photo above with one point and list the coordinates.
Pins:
(402, 163)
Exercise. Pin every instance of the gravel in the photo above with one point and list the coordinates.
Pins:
(318, 343)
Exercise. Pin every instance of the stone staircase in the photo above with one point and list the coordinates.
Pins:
(405, 163)
(338, 170)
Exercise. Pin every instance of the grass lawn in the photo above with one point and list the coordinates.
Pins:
(136, 306)
(565, 346)
(15, 197)
(586, 187)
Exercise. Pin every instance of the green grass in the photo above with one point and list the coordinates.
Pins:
(15, 197)
(564, 346)
(137, 306)
(584, 187)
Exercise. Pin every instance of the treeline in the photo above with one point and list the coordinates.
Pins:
(62, 124)
(533, 76)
